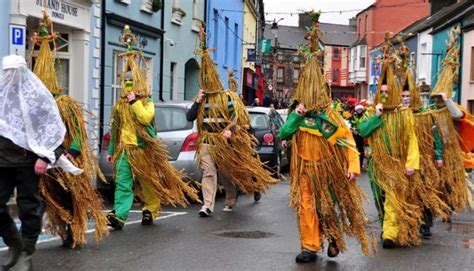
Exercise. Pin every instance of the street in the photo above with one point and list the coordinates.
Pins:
(255, 236)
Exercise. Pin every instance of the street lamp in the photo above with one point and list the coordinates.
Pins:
(274, 30)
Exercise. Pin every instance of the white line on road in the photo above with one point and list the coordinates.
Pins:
(168, 215)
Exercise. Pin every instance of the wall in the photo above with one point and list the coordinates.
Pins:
(130, 13)
(249, 33)
(467, 94)
(217, 10)
(4, 28)
(181, 41)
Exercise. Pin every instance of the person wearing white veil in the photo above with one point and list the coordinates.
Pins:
(31, 135)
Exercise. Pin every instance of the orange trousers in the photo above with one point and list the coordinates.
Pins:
(307, 218)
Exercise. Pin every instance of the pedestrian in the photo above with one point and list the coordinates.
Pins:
(324, 165)
(31, 134)
(426, 186)
(70, 201)
(394, 159)
(356, 118)
(456, 128)
(224, 141)
(256, 102)
(140, 159)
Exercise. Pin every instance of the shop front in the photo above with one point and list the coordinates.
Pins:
(72, 20)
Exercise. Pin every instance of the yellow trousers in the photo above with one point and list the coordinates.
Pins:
(152, 202)
(390, 221)
(307, 218)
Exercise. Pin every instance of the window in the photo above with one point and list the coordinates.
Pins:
(147, 6)
(171, 119)
(358, 28)
(353, 59)
(280, 74)
(470, 106)
(422, 63)
(259, 121)
(296, 74)
(472, 64)
(173, 81)
(335, 53)
(362, 56)
(335, 76)
(412, 59)
(296, 59)
(226, 42)
(281, 57)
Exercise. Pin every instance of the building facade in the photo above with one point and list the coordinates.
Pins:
(467, 82)
(146, 23)
(224, 24)
(78, 45)
(249, 50)
(371, 23)
(183, 19)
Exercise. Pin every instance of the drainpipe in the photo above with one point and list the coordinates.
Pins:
(162, 51)
(102, 72)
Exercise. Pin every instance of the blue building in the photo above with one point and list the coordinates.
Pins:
(4, 22)
(145, 21)
(224, 34)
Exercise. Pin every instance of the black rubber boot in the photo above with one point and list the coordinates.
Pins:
(69, 241)
(306, 256)
(12, 239)
(25, 262)
(147, 218)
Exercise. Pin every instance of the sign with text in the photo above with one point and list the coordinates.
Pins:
(17, 39)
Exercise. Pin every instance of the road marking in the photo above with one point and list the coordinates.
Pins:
(167, 215)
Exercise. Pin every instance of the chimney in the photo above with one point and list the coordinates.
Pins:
(353, 22)
(304, 20)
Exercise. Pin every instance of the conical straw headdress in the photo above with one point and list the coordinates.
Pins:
(388, 77)
(208, 76)
(312, 89)
(450, 65)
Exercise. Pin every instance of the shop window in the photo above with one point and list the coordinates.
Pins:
(280, 74)
(61, 44)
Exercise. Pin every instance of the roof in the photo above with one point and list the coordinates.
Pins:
(362, 41)
(338, 34)
(259, 109)
(288, 36)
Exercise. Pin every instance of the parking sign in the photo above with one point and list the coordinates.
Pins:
(17, 40)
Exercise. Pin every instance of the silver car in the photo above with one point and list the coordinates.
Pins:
(179, 135)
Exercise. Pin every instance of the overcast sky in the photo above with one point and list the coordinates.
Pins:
(297, 6)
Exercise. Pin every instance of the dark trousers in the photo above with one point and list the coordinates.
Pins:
(28, 200)
(360, 147)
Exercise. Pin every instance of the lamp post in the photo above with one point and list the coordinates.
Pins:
(274, 30)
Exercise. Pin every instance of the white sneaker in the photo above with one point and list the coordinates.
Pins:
(228, 208)
(205, 212)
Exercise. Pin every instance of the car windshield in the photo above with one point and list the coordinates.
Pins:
(171, 119)
(259, 121)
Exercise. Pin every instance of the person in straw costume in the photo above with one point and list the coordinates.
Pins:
(136, 152)
(324, 164)
(430, 144)
(70, 201)
(394, 158)
(457, 130)
(225, 144)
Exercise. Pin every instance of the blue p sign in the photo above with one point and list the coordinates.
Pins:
(17, 36)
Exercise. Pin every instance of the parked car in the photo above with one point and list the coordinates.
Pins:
(283, 114)
(179, 135)
(267, 122)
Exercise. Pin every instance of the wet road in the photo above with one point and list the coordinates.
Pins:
(256, 236)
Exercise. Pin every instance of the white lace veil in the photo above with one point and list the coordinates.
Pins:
(29, 115)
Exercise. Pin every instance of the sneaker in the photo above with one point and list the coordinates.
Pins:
(306, 256)
(114, 221)
(205, 212)
(257, 196)
(388, 244)
(425, 231)
(228, 208)
(147, 218)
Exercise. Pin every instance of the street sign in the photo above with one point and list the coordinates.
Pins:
(17, 40)
(265, 46)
